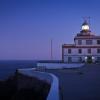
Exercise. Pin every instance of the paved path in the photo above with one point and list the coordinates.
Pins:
(80, 84)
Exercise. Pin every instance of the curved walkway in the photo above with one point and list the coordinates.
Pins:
(52, 79)
(79, 83)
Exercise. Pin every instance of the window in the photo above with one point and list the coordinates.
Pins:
(98, 41)
(80, 59)
(89, 50)
(88, 42)
(98, 50)
(69, 51)
(79, 50)
(79, 42)
(69, 59)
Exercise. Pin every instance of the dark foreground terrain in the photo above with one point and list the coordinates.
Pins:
(9, 90)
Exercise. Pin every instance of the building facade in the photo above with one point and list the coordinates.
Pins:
(86, 47)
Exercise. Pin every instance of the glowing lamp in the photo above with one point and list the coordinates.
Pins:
(85, 27)
(85, 58)
(93, 57)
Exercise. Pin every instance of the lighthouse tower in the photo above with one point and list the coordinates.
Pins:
(86, 47)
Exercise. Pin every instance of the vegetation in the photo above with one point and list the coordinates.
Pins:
(9, 91)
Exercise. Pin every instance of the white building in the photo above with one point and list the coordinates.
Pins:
(86, 47)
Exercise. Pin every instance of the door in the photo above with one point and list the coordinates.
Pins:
(89, 59)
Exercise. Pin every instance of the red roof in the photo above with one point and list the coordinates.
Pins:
(74, 46)
(87, 37)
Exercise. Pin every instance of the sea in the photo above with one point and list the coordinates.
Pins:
(8, 67)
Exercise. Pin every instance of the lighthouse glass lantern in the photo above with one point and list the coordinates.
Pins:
(85, 26)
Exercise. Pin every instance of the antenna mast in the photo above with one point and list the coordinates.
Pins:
(87, 19)
(51, 51)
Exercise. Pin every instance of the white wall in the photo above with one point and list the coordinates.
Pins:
(59, 65)
(94, 41)
(74, 51)
(75, 55)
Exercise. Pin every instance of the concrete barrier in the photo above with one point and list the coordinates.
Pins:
(59, 65)
(52, 79)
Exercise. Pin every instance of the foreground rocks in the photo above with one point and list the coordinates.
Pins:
(34, 89)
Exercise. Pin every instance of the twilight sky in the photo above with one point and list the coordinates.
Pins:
(27, 26)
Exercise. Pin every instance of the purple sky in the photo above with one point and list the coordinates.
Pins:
(27, 26)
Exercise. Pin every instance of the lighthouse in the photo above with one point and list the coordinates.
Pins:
(85, 47)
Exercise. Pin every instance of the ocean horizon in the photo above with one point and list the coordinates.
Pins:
(8, 67)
